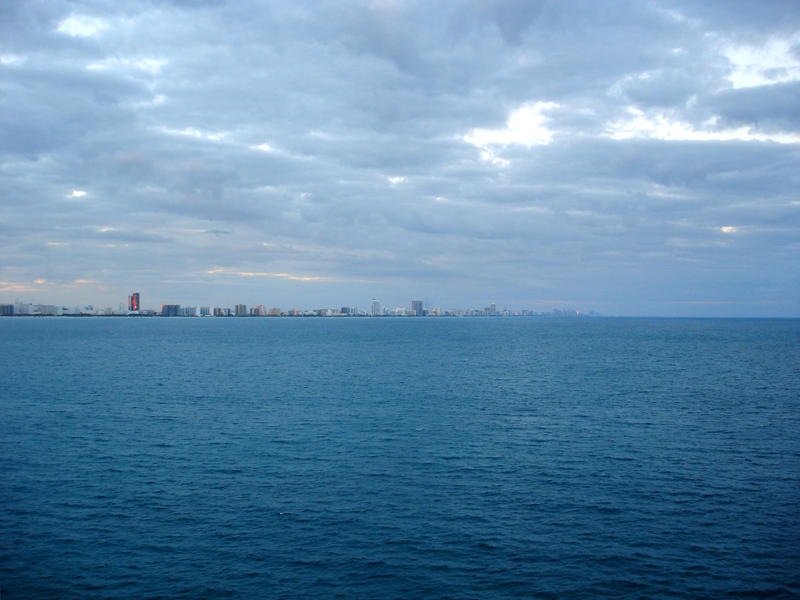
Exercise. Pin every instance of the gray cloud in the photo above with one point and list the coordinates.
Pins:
(638, 160)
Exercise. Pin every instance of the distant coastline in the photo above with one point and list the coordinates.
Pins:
(134, 309)
(305, 316)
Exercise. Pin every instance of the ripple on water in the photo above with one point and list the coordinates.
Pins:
(391, 458)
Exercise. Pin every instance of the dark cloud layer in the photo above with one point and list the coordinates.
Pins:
(630, 158)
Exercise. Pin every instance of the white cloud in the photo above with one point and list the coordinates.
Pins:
(619, 87)
(149, 65)
(232, 271)
(395, 180)
(12, 59)
(490, 156)
(82, 26)
(76, 194)
(195, 133)
(22, 286)
(772, 62)
(728, 229)
(280, 276)
(525, 126)
(263, 147)
(660, 126)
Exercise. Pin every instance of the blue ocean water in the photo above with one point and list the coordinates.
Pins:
(399, 458)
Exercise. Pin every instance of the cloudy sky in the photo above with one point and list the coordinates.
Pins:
(634, 158)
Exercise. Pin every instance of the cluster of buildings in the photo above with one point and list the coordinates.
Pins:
(134, 308)
(56, 310)
(375, 310)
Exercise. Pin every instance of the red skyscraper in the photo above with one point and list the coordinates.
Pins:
(133, 301)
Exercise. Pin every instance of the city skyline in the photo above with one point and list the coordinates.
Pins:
(635, 160)
(538, 306)
(134, 307)
(134, 302)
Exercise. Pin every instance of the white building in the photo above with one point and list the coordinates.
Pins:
(48, 309)
(22, 308)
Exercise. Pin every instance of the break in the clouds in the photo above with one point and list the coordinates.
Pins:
(625, 157)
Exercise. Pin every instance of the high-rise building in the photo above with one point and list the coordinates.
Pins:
(170, 310)
(493, 309)
(375, 307)
(133, 302)
(241, 310)
(21, 308)
(49, 309)
(416, 307)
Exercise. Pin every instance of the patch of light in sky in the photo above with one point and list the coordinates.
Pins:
(82, 26)
(293, 277)
(660, 126)
(11, 59)
(763, 65)
(525, 126)
(195, 133)
(149, 65)
(280, 276)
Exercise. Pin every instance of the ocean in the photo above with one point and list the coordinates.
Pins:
(464, 458)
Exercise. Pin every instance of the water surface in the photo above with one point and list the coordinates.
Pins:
(399, 458)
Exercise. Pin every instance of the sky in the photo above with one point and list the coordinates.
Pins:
(628, 158)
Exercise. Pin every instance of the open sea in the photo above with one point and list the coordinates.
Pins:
(399, 458)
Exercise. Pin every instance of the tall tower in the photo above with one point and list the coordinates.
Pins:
(133, 302)
(375, 307)
(416, 306)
